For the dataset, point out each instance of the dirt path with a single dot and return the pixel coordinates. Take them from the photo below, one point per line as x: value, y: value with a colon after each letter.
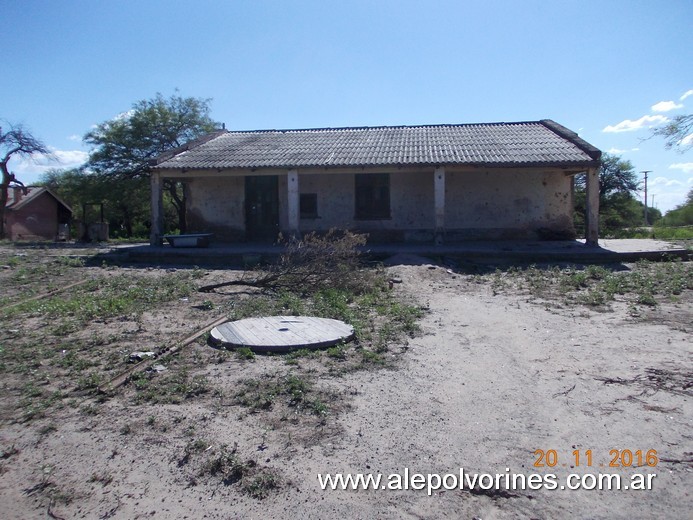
x: 495, y: 378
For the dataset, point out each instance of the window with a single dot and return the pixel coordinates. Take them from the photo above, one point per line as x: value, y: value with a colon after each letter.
x: 372, y: 192
x: 308, y: 205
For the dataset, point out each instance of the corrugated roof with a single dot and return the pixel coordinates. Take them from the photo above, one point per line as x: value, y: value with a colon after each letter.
x: 495, y: 144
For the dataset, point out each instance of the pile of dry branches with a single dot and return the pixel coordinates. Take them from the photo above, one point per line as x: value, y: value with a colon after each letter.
x: 316, y: 261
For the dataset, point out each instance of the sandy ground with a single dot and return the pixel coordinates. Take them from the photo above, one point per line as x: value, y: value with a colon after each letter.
x: 491, y: 379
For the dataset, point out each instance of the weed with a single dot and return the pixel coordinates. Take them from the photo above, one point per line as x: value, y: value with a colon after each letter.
x: 245, y: 353
x: 90, y: 409
x: 171, y: 389
x: 598, y: 285
x: 260, y: 485
x: 193, y: 447
x: 227, y: 465
x: 106, y: 297
x: 104, y: 478
x: 646, y: 298
x: 291, y: 303
x: 6, y: 453
x: 89, y: 381
x: 370, y: 357
x: 337, y: 352
x: 253, y: 480
x: 318, y: 407
x: 290, y: 390
x: 47, y: 428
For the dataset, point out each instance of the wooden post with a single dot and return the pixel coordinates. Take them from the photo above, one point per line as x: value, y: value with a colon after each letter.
x: 157, y: 210
x: 439, y: 202
x: 293, y: 201
x: 592, y: 208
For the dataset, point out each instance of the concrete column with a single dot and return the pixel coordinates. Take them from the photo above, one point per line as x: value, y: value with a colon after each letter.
x: 439, y: 203
x: 293, y: 201
x: 157, y: 210
x: 592, y: 208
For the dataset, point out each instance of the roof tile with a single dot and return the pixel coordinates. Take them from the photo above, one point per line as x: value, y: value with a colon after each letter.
x: 516, y: 144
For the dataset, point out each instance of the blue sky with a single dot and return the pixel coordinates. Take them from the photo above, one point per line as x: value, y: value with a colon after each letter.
x: 589, y: 65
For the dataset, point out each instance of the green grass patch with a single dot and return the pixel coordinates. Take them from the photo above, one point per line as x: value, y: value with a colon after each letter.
x: 291, y: 390
x: 646, y: 283
x: 168, y: 389
x: 106, y: 298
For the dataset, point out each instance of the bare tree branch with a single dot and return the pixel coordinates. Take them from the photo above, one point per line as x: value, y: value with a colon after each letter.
x: 677, y: 133
x: 15, y: 141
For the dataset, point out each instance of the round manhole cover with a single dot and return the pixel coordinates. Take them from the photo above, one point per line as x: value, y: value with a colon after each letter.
x: 281, y: 333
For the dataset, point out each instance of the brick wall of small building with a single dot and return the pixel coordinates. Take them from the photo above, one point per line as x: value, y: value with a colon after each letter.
x: 37, y: 220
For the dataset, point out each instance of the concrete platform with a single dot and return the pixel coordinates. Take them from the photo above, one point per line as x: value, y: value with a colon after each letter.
x: 503, y: 252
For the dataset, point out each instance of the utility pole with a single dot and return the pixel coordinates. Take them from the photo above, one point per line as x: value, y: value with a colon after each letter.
x: 645, y: 172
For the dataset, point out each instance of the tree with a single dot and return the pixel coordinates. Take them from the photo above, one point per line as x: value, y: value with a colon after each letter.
x: 618, y: 183
x: 126, y: 204
x: 677, y: 133
x: 124, y: 146
x: 17, y: 141
x: 615, y: 176
x: 681, y: 215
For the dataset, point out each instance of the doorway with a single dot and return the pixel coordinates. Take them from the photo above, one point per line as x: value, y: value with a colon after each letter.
x: 262, y: 207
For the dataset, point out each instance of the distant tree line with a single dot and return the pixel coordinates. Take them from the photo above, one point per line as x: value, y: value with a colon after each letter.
x: 682, y: 215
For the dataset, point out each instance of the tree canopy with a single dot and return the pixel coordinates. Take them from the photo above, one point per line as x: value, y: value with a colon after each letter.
x: 123, y: 146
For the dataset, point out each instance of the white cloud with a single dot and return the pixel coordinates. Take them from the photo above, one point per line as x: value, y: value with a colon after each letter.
x: 618, y: 151
x: 687, y: 94
x: 665, y: 106
x: 75, y: 137
x: 29, y: 169
x: 124, y: 115
x: 687, y: 141
x: 629, y: 126
x: 663, y: 181
x: 71, y: 158
x: 668, y: 191
x: 685, y: 167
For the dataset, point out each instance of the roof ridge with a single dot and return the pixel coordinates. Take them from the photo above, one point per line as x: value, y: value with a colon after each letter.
x: 378, y: 127
x: 32, y: 193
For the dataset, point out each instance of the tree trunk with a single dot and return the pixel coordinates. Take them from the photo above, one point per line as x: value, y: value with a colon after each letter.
x: 3, y: 203
x: 4, y: 187
x: 179, y: 202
